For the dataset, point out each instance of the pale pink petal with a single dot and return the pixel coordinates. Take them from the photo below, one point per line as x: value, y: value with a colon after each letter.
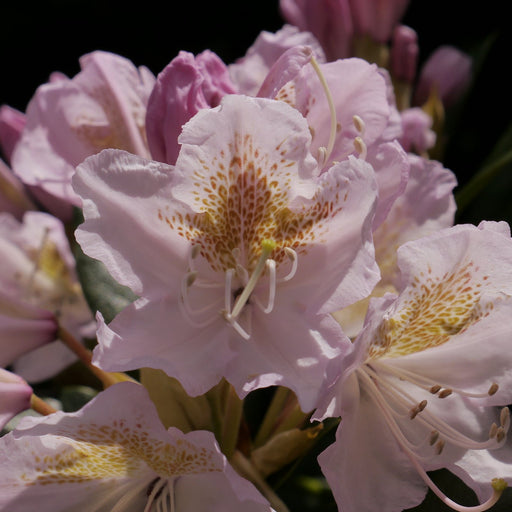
x: 15, y: 396
x: 130, y: 192
x: 185, y: 86
x: 13, y: 196
x: 417, y: 133
x: 249, y: 72
x: 364, y: 467
x: 114, y: 454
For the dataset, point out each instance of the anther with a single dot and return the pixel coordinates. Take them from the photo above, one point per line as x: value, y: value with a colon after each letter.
x: 435, y: 389
x: 492, y: 390
x: 500, y: 434
x: 417, y: 409
x: 434, y: 436
x: 190, y: 278
x: 359, y: 124
x: 360, y: 147
x: 439, y: 447
x: 445, y: 392
x: 505, y: 418
x: 493, y: 430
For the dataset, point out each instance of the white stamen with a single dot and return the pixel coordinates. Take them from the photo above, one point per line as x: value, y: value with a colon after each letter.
x: 325, y: 153
x: 267, y: 247
x: 292, y: 256
x: 228, y: 278
x: 271, y: 267
x: 128, y: 497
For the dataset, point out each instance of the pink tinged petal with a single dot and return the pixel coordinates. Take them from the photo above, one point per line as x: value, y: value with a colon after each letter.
x: 67, y: 120
x: 15, y: 396
x: 12, y: 123
x: 13, y: 197
x: 391, y: 167
x: 329, y: 21
x: 285, y: 69
x: 114, y: 454
x: 122, y: 196
x: 365, y: 468
x: 448, y: 72
x: 249, y: 72
x: 185, y: 86
x: 418, y: 135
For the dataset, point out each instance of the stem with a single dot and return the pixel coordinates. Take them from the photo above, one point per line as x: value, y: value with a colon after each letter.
x: 231, y: 424
x: 85, y: 355
x: 40, y: 406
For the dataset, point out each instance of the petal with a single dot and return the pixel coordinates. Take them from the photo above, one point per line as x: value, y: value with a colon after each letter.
x: 137, y: 248
x: 365, y: 467
x: 15, y: 396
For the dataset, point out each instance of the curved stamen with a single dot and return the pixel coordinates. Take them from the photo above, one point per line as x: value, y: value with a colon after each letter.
x: 188, y: 312
x: 498, y: 486
x: 325, y: 153
x: 292, y: 256
x: 271, y: 267
x: 128, y: 497
x: 360, y: 147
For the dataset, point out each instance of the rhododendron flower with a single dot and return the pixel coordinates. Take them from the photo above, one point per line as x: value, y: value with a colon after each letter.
x: 39, y: 285
x: 115, y: 455
x: 103, y: 106
x: 15, y: 396
x: 418, y: 390
x: 426, y: 206
x: 237, y: 253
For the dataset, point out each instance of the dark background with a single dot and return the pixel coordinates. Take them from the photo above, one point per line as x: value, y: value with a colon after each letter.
x: 38, y: 37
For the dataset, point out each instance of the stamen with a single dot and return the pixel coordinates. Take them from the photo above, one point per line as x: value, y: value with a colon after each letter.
x: 417, y: 409
x: 440, y: 446
x: 493, y: 431
x: 493, y: 389
x: 325, y: 153
x: 271, y: 266
x: 445, y: 393
x: 227, y: 289
x: 192, y: 255
x: 505, y: 418
x: 267, y: 247
x: 435, y: 389
x: 360, y: 147
x: 128, y: 497
x: 188, y: 280
x: 498, y: 486
x: 292, y: 256
x: 434, y: 436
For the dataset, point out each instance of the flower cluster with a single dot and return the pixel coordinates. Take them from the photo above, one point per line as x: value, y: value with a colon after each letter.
x: 249, y: 257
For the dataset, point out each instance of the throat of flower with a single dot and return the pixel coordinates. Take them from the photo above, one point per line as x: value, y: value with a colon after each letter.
x: 381, y: 381
x: 264, y: 262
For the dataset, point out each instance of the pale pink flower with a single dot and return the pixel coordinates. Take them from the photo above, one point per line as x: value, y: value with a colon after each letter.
x: 185, y: 86
x: 249, y: 72
x: 236, y: 253
x: 418, y: 390
x: 103, y: 106
x: 448, y: 72
x: 15, y: 396
x: 38, y: 283
x: 114, y: 455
